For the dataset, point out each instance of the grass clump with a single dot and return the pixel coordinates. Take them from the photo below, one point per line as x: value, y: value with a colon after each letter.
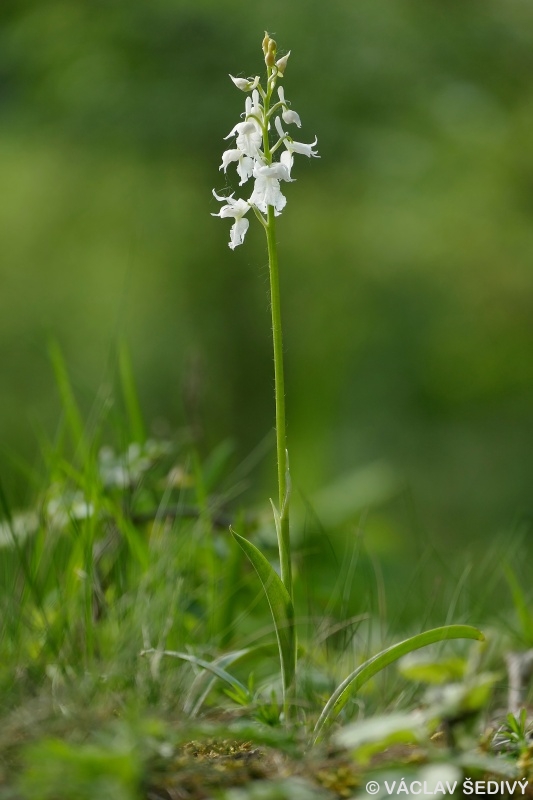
x: 140, y: 657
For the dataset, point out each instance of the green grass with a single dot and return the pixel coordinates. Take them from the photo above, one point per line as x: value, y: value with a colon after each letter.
x: 139, y: 653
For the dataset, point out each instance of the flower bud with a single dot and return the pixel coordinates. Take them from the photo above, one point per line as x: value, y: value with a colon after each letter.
x: 281, y: 63
x: 264, y: 43
x: 270, y: 56
x: 245, y: 84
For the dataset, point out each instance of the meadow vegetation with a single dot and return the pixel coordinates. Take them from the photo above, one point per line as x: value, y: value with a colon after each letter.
x: 141, y: 656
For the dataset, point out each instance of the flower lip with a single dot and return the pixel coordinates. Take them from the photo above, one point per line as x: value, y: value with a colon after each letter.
x: 238, y: 232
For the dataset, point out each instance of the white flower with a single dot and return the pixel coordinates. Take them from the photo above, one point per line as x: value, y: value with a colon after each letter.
x: 235, y: 209
x: 228, y: 156
x: 245, y: 165
x: 248, y: 138
x: 295, y: 147
x: 245, y: 84
x: 266, y: 188
x: 288, y: 115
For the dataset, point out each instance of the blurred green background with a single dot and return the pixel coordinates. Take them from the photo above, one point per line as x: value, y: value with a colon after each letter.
x: 406, y: 250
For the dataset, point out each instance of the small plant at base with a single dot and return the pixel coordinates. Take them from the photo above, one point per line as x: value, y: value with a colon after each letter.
x: 515, y: 735
x: 254, y: 158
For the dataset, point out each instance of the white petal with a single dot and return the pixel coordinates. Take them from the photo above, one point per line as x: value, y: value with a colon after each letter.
x: 248, y: 137
x: 255, y: 99
x: 267, y: 193
x: 290, y: 117
x: 238, y: 232
x: 287, y: 159
x: 277, y: 171
x: 232, y: 132
x: 240, y: 83
x: 281, y: 94
x: 304, y: 149
x: 245, y: 168
x: 228, y: 156
x: 225, y: 211
x: 245, y: 84
x: 234, y: 208
x: 281, y: 63
x: 222, y: 199
x: 246, y: 128
x: 281, y: 132
x: 239, y: 208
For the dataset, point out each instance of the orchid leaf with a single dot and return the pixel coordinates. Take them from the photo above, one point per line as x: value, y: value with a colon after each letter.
x: 281, y: 608
x: 363, y: 673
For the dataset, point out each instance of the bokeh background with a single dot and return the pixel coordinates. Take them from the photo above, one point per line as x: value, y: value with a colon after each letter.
x: 406, y: 250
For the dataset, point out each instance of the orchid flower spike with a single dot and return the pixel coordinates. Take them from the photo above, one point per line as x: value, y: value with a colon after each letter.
x: 253, y: 153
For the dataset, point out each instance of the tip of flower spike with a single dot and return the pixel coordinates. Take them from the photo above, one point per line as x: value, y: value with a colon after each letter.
x: 270, y: 55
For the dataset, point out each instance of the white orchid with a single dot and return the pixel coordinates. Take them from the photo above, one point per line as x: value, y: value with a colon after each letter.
x: 288, y: 115
x: 294, y: 147
x: 245, y: 164
x: 235, y: 209
x: 245, y: 84
x: 248, y: 139
x: 253, y: 153
x: 267, y: 190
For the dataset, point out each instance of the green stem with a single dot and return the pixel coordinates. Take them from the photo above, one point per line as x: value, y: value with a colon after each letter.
x: 279, y: 384
x: 284, y: 544
x: 288, y: 650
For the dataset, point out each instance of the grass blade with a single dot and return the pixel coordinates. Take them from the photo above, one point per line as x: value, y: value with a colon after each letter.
x: 203, y: 683
x: 210, y: 666
x: 130, y: 396
x: 363, y: 673
x: 281, y: 608
x: 521, y: 605
x: 72, y: 413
